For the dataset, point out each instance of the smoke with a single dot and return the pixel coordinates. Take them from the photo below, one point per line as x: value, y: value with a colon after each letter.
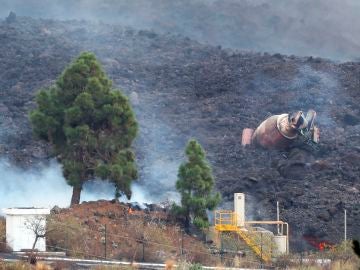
x: 325, y: 28
x: 40, y: 187
x: 318, y: 90
x: 45, y: 186
x: 162, y: 154
x: 96, y: 189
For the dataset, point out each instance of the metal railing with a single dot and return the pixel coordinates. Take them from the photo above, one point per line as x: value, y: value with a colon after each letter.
x: 261, y: 244
x: 225, y: 220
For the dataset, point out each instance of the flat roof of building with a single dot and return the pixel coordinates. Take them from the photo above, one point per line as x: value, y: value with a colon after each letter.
x: 26, y: 211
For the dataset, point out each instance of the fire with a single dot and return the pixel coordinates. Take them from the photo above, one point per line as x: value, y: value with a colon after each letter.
x: 318, y: 244
x: 321, y: 246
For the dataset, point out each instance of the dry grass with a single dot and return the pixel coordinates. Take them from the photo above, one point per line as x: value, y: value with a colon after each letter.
x: 152, y: 236
x: 68, y: 235
x: 42, y: 266
x: 183, y: 265
x: 344, y: 265
x: 341, y: 258
x: 23, y: 266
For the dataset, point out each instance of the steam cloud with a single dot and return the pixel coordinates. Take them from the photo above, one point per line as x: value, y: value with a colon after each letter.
x: 325, y: 28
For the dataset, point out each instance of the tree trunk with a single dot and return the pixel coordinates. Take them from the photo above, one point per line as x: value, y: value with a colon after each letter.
x: 75, y: 199
x: 187, y: 223
x: 32, y: 257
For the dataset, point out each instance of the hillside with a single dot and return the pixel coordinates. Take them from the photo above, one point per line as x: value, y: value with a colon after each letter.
x: 107, y: 229
x: 182, y: 89
x: 113, y: 231
x: 327, y: 28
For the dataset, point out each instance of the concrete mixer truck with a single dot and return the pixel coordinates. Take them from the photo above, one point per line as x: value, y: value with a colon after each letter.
x: 280, y: 131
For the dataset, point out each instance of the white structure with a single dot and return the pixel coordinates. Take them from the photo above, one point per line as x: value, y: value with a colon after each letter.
x: 19, y: 234
x: 281, y: 244
x: 239, y: 208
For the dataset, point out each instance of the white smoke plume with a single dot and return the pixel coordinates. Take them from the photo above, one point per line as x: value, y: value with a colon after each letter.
x: 45, y: 186
x: 40, y: 187
x: 163, y: 154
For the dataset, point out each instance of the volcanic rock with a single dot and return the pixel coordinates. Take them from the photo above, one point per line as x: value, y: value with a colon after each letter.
x: 185, y: 90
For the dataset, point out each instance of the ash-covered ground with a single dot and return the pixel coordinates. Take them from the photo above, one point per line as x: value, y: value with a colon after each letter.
x: 181, y: 89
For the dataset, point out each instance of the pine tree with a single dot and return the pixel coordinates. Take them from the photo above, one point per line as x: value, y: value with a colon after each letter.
x: 90, y: 125
x: 195, y: 185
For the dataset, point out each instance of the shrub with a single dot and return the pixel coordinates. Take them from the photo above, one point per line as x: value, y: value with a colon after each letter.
x: 196, y: 266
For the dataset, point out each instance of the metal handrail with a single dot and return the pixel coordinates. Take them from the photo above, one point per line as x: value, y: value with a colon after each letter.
x: 226, y: 220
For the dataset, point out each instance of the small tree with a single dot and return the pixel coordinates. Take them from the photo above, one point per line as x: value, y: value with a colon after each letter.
x: 38, y: 226
x: 195, y: 184
x: 90, y: 125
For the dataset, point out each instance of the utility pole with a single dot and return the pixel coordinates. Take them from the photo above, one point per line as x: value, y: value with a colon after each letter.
x: 182, y: 242
x: 345, y: 226
x: 143, y: 248
x: 278, y: 217
x: 143, y: 240
x: 105, y: 241
x: 66, y: 242
x: 261, y: 250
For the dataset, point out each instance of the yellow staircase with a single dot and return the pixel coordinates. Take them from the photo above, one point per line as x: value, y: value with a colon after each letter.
x: 226, y: 221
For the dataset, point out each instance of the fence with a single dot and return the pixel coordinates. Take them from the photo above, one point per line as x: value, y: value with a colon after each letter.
x: 150, y: 241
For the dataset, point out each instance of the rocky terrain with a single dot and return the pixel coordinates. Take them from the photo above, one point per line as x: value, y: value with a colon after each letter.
x: 180, y: 89
x: 107, y: 229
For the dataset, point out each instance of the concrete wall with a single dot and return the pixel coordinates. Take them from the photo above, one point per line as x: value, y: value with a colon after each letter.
x: 18, y: 235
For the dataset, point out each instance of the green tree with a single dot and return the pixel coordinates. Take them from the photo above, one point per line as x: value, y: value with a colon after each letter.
x: 90, y: 125
x: 195, y: 185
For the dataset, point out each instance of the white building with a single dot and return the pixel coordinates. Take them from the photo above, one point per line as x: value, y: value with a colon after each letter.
x: 19, y: 232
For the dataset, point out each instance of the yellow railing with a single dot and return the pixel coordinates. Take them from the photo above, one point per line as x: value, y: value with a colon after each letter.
x: 251, y: 238
x: 227, y: 221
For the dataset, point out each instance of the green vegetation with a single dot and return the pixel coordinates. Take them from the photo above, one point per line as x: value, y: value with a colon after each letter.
x: 196, y: 266
x: 90, y: 125
x: 195, y: 184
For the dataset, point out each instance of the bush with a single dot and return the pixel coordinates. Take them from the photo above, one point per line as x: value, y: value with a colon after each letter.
x: 196, y: 266
x: 67, y: 235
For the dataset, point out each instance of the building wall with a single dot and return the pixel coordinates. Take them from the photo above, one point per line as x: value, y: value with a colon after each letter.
x: 18, y: 235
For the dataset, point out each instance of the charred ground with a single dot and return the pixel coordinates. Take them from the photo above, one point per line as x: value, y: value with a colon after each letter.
x: 182, y: 89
